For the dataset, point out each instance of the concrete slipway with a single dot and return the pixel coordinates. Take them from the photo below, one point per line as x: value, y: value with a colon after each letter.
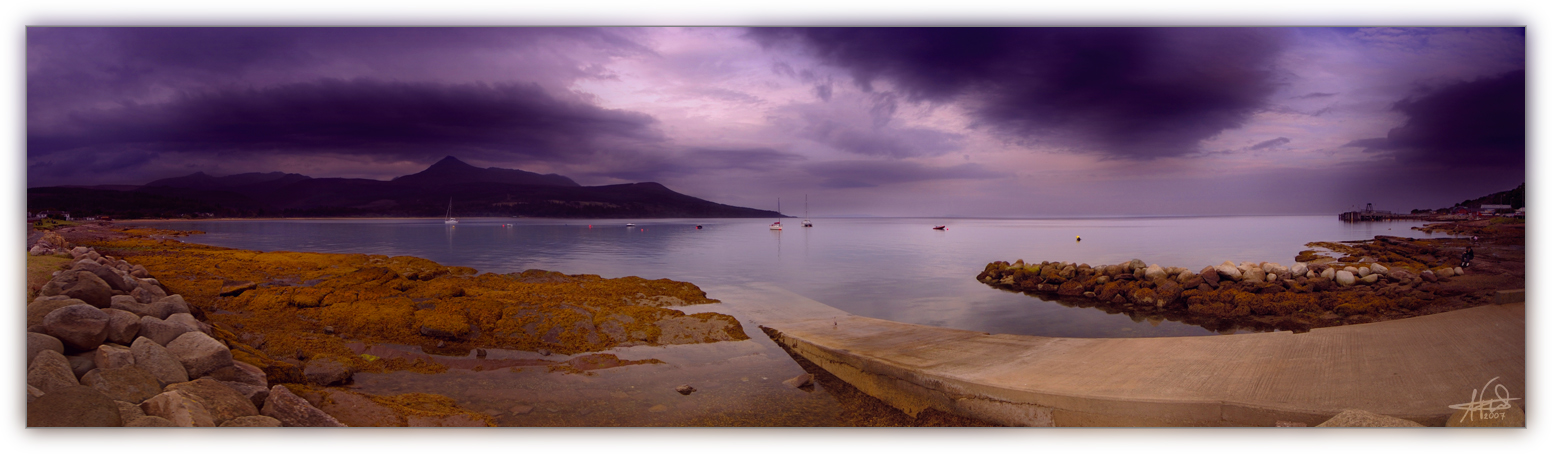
x: 1413, y: 368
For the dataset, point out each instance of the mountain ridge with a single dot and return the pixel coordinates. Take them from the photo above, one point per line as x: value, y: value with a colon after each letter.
x: 475, y: 191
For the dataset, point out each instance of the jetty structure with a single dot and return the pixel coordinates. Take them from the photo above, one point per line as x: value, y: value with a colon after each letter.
x: 1414, y: 369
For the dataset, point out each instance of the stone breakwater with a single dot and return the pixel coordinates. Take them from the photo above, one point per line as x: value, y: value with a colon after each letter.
x: 110, y: 346
x: 1388, y: 277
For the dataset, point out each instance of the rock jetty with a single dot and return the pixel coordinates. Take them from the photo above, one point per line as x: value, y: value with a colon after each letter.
x: 108, y: 346
x: 1384, y: 278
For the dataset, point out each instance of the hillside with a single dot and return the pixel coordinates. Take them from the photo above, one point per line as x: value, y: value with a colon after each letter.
x: 473, y: 192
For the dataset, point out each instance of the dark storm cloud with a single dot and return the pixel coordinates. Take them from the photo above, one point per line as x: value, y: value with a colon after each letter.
x: 1120, y: 92
x: 1479, y: 123
x: 881, y: 141
x: 655, y: 166
x: 863, y: 174
x: 1314, y: 95
x: 1270, y: 143
x: 420, y: 121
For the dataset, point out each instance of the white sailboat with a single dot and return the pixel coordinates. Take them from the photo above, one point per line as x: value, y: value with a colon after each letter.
x: 777, y: 225
x: 450, y: 219
x: 806, y: 222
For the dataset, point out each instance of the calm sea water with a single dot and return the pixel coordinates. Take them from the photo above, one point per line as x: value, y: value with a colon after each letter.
x: 891, y: 268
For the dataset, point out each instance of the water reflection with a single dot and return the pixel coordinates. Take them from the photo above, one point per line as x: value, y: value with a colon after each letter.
x: 895, y: 269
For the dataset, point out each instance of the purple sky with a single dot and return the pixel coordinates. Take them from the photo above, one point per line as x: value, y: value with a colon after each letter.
x: 876, y: 121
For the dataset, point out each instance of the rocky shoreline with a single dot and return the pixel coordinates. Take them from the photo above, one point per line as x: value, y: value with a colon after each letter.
x: 227, y: 337
x: 1336, y: 284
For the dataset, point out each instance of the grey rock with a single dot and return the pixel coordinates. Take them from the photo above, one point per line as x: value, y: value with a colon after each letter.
x: 155, y: 358
x: 123, y: 326
x: 107, y: 274
x: 129, y: 304
x: 80, y: 327
x: 800, y: 381
x: 293, y: 411
x: 81, y: 363
x: 221, y: 401
x: 241, y: 372
x: 161, y: 331
x: 129, y: 411
x: 199, y: 353
x: 1360, y: 418
x: 1345, y: 278
x: 1370, y: 279
x: 188, y: 321
x: 1153, y: 272
x: 38, y: 342
x: 109, y: 356
x: 1228, y: 271
x: 252, y: 421
x: 326, y: 371
x: 50, y: 371
x: 78, y: 251
x: 139, y: 271
x: 43, y: 305
x: 128, y: 383
x: 685, y: 389
x: 171, y: 304
x: 179, y: 408
x: 81, y: 285
x: 147, y: 293
x: 74, y: 406
x: 255, y: 394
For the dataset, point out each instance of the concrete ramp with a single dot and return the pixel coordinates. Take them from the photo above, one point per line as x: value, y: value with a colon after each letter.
x: 1412, y: 369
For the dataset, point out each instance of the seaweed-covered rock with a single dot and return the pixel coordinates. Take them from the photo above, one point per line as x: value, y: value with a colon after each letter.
x: 326, y: 371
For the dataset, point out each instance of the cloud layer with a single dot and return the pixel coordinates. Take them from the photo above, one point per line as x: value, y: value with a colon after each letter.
x: 1119, y: 92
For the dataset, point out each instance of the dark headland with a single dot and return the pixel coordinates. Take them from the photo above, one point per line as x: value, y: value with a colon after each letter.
x: 473, y: 191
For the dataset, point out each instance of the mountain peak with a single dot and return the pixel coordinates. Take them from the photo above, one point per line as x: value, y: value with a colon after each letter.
x: 451, y: 170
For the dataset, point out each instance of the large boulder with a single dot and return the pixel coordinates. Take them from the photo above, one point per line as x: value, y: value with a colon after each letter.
x: 130, y: 304
x: 43, y: 305
x: 199, y: 353
x: 154, y: 358
x: 171, y: 304
x: 80, y: 327
x: 1345, y: 278
x: 254, y: 393
x: 1298, y: 269
x: 38, y: 342
x: 1209, y: 275
x: 161, y: 331
x: 74, y: 406
x: 123, y: 326
x: 1153, y: 272
x: 129, y: 383
x: 50, y: 371
x: 107, y: 274
x: 81, y: 285
x: 109, y: 356
x: 182, y: 409
x: 325, y: 371
x: 241, y: 372
x: 1328, y: 273
x: 147, y: 292
x: 293, y: 411
x: 1227, y: 270
x: 221, y: 401
x: 188, y: 320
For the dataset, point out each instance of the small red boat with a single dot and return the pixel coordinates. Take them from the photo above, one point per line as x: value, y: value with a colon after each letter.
x: 941, y: 227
